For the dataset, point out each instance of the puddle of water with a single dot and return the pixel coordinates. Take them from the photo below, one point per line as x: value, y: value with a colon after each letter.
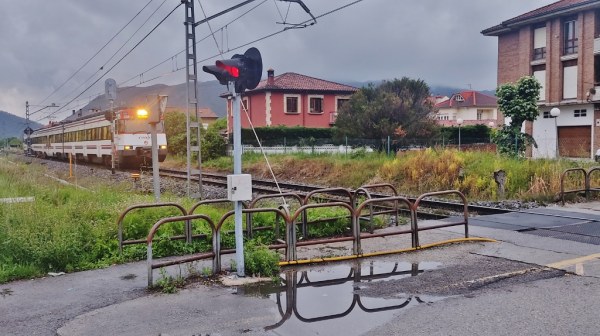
x: 319, y: 301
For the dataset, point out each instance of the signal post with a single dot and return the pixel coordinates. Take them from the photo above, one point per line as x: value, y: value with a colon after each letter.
x: 243, y: 72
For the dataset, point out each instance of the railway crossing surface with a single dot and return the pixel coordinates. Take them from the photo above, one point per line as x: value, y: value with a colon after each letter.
x: 541, y: 277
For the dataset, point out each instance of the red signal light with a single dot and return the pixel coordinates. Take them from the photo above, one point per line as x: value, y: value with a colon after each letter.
x: 233, y: 71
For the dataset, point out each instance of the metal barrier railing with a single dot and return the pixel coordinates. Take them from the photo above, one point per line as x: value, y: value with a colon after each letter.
x: 567, y: 172
x: 282, y: 214
x: 365, y: 190
x: 188, y: 218
x: 370, y: 202
x: 283, y: 196
x: 187, y: 235
x: 414, y: 221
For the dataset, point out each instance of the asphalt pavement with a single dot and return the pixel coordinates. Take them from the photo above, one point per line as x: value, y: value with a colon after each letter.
x: 525, y: 284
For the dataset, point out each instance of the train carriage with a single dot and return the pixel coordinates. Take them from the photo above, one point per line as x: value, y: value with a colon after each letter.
x: 88, y: 138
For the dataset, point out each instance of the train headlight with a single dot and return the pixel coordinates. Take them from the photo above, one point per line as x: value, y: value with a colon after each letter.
x: 142, y: 114
x: 163, y: 147
x: 128, y: 147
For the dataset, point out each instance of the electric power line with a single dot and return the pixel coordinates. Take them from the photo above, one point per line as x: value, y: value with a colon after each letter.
x: 96, y: 54
x: 119, y: 61
x: 301, y: 24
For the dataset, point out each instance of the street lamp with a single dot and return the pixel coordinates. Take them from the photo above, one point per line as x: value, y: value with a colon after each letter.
x: 555, y: 112
x: 459, y: 122
x: 491, y: 125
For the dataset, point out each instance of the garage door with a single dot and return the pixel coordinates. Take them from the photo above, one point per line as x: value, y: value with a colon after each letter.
x: 575, y: 141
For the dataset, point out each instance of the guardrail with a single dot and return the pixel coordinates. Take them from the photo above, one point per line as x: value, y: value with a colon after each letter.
x: 587, y: 181
x: 290, y: 243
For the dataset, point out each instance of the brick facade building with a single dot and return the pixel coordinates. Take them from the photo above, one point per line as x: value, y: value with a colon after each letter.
x: 559, y: 45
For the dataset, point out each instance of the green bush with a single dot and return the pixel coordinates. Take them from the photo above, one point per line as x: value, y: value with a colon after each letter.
x: 259, y: 260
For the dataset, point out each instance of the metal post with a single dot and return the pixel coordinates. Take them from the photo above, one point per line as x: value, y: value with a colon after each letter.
x: 388, y: 145
x: 155, y: 176
x: 27, y: 129
x: 237, y: 169
x: 112, y: 137
x: 459, y: 137
x: 192, y: 99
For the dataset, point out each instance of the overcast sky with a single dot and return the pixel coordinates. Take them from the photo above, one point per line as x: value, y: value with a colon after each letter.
x: 43, y: 43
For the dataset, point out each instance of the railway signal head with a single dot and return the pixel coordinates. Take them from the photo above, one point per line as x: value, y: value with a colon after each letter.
x: 244, y: 70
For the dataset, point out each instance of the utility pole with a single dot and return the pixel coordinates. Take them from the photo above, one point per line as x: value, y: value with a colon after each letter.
x: 110, y: 86
x: 192, y: 97
x: 27, y: 130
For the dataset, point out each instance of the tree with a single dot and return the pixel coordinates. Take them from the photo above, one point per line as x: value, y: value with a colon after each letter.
x: 213, y: 144
x: 519, y: 103
x: 176, y: 133
x: 399, y: 109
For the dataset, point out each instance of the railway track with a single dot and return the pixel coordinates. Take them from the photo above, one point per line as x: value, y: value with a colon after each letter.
x: 262, y: 186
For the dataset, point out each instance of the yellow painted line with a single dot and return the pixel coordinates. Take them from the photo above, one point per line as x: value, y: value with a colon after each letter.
x: 374, y: 254
x: 571, y: 262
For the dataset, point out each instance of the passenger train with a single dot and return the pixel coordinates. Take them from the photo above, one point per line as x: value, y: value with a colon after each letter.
x: 88, y: 138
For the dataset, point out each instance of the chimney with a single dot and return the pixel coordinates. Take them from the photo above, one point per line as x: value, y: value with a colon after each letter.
x: 73, y: 112
x: 270, y: 77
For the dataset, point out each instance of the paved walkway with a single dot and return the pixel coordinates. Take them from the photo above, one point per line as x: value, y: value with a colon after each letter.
x: 114, y: 301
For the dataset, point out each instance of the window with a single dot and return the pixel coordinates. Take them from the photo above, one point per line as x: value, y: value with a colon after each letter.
x: 316, y: 104
x: 539, y: 42
x: 570, y: 42
x: 479, y: 114
x: 341, y: 102
x: 291, y: 104
x: 245, y: 105
x: 570, y: 79
x: 459, y: 98
x: 547, y: 115
x: 539, y: 72
x: 580, y: 113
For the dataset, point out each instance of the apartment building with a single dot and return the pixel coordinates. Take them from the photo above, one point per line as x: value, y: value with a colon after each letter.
x: 558, y: 44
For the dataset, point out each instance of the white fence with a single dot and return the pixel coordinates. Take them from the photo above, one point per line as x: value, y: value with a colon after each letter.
x: 341, y: 149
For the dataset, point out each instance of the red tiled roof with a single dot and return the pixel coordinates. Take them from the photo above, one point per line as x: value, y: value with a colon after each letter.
x: 290, y: 81
x: 471, y: 99
x: 555, y: 7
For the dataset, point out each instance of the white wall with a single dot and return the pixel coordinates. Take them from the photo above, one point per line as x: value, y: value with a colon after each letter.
x: 545, y: 130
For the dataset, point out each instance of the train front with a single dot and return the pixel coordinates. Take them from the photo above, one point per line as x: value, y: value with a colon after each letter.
x: 133, y: 141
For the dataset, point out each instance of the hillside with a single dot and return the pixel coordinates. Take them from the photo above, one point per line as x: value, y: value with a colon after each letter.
x: 208, y: 96
x: 13, y: 126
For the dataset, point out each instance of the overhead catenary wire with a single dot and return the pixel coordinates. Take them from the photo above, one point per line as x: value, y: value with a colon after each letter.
x: 212, y: 33
x: 121, y: 59
x: 212, y: 56
x: 96, y: 54
x: 116, y: 52
x: 247, y: 43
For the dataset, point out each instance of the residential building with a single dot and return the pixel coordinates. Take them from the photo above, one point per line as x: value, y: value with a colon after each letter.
x: 291, y: 99
x: 559, y: 45
x: 472, y: 107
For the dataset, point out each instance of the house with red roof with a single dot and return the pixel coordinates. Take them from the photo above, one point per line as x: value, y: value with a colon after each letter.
x: 471, y: 107
x: 292, y: 99
x: 558, y: 44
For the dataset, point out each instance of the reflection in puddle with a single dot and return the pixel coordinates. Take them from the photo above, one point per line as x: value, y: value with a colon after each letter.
x: 328, y: 300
